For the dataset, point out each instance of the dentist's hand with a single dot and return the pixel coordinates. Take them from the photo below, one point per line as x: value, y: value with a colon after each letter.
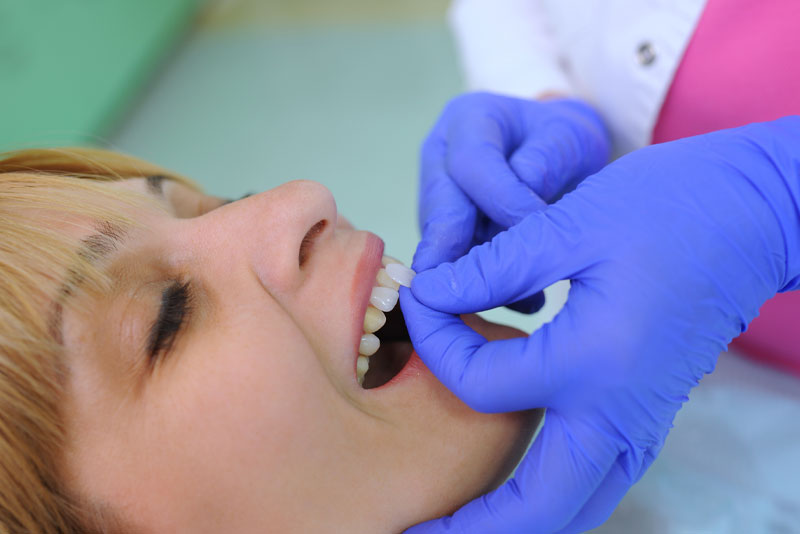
x: 671, y: 251
x: 490, y: 160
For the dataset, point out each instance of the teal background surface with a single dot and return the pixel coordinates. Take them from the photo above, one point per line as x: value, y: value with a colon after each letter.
x: 69, y: 68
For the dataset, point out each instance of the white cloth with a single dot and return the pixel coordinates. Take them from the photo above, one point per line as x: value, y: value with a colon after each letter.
x: 620, y: 55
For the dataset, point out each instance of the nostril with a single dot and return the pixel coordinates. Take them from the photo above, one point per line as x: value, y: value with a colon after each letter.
x: 308, y: 240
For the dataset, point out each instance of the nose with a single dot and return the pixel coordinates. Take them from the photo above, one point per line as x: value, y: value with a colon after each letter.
x: 265, y: 232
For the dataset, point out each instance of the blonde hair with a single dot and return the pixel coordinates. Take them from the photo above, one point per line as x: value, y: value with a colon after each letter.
x: 39, y: 188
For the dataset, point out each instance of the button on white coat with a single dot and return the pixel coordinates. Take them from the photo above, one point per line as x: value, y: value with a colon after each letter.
x: 646, y: 53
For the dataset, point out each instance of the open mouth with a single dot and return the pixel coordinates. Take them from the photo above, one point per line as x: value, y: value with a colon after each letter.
x: 392, y: 355
x: 385, y: 347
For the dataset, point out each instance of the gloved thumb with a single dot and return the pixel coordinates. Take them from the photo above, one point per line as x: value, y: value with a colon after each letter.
x: 514, y: 265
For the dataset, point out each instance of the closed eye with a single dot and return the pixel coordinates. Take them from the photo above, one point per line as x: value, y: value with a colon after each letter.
x: 175, y: 307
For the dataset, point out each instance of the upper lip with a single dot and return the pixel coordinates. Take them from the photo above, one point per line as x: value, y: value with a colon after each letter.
x: 363, y: 281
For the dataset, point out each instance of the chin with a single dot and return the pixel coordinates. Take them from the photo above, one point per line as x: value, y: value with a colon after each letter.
x: 454, y: 454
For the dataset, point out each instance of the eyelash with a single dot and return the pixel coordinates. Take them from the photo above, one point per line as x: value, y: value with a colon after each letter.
x: 176, y: 304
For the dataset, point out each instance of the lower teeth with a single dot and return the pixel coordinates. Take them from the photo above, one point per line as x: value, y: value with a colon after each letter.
x: 362, y: 365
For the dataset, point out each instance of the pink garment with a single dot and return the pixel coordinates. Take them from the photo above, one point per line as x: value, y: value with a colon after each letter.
x: 741, y: 66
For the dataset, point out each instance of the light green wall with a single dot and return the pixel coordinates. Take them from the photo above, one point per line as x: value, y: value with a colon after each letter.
x: 68, y: 68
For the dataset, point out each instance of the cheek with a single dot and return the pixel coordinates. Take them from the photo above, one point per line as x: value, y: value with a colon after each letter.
x: 241, y: 425
x: 247, y: 395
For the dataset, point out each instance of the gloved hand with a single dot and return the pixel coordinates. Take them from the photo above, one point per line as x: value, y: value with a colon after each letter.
x: 491, y: 160
x: 671, y: 251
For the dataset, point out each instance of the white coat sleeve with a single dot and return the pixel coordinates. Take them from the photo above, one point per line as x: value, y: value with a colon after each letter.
x: 505, y: 47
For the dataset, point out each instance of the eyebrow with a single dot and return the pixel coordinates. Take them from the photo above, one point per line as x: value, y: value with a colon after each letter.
x: 155, y: 184
x: 98, y: 247
x: 94, y: 249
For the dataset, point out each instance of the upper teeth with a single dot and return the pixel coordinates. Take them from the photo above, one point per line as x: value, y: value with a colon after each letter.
x: 384, y: 280
x: 383, y: 299
x: 374, y: 319
x: 400, y: 274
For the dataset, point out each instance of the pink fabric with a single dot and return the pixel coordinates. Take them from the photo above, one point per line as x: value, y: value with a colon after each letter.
x: 741, y: 66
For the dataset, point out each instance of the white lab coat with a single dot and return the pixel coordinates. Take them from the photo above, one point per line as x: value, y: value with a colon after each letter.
x: 620, y: 55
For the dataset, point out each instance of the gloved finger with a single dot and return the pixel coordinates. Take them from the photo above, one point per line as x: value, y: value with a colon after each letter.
x: 515, y: 265
x: 557, y: 476
x: 477, y: 161
x: 495, y: 376
x: 602, y: 503
x: 485, y: 230
x: 571, y: 145
x: 446, y: 215
x: 553, y: 164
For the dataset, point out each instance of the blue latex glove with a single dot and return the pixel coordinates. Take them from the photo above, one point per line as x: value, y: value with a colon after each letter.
x: 491, y: 160
x: 671, y: 251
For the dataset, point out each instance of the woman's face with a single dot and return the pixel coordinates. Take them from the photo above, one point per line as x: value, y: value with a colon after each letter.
x: 214, y: 388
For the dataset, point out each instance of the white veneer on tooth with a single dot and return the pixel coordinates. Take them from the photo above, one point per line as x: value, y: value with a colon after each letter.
x: 386, y: 260
x: 384, y: 280
x: 400, y: 274
x: 383, y: 298
x: 369, y: 345
x: 374, y: 319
